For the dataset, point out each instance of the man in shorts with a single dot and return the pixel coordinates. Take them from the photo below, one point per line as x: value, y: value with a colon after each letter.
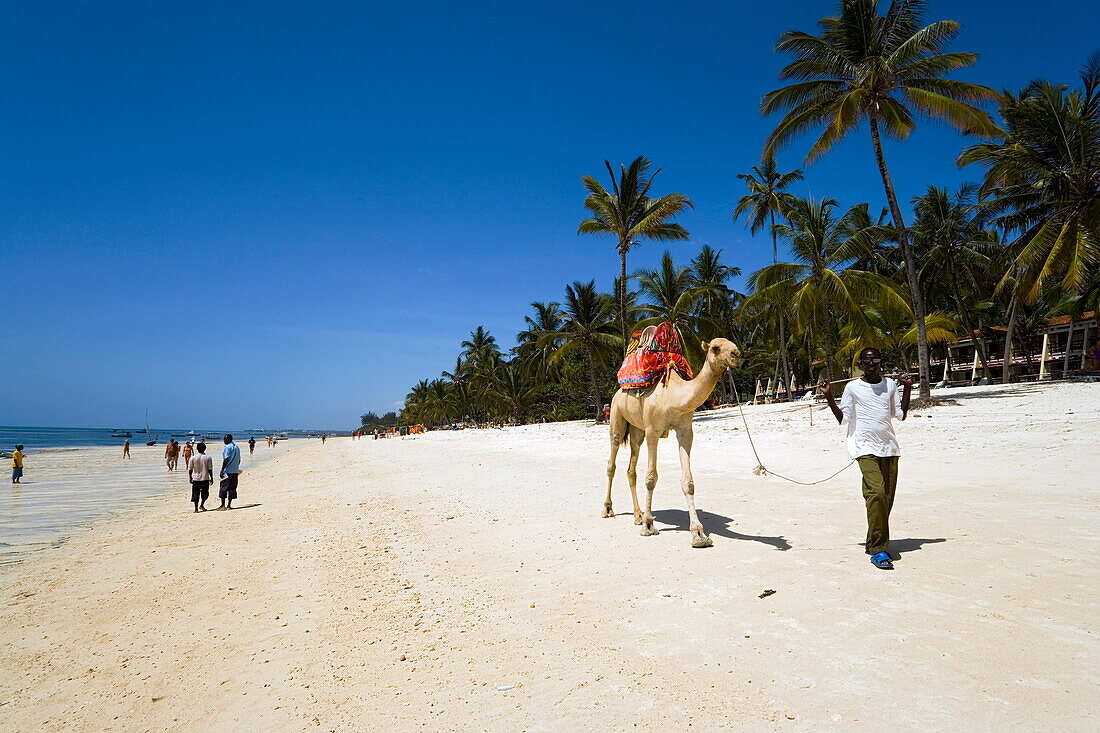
x: 172, y: 454
x: 869, y: 405
x: 200, y: 472
x: 251, y: 445
x: 231, y: 466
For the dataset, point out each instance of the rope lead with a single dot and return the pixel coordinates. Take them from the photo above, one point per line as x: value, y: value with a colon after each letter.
x: 760, y: 470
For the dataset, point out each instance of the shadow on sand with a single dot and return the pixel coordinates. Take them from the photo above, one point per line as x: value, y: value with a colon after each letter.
x: 910, y: 544
x: 714, y: 524
x: 913, y: 544
x: 1014, y: 390
x: 239, y: 506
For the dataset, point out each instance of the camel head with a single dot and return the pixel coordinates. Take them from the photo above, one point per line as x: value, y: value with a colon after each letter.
x: 722, y: 353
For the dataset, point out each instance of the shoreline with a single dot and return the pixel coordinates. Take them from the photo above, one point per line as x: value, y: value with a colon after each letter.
x: 464, y: 580
x: 66, y: 489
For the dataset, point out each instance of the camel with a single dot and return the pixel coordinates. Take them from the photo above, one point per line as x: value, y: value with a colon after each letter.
x: 649, y: 414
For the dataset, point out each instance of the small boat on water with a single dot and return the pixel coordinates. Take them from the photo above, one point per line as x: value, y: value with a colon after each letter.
x: 150, y: 438
x: 120, y: 433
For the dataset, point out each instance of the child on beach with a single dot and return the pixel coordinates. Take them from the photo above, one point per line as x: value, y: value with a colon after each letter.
x: 17, y: 464
x: 868, y: 405
x: 200, y: 472
x: 126, y: 448
x: 251, y: 445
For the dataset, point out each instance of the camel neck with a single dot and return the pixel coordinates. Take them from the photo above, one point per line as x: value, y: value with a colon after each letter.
x: 703, y: 384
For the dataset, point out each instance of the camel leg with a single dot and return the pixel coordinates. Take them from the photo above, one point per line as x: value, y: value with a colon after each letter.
x: 637, y: 435
x: 651, y: 438
x: 684, y: 437
x: 619, y: 429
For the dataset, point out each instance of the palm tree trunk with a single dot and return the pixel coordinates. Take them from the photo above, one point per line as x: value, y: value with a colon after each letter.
x: 783, y: 356
x: 979, y: 345
x: 782, y: 325
x: 1006, y: 368
x: 910, y: 265
x: 622, y: 297
x: 1069, y: 342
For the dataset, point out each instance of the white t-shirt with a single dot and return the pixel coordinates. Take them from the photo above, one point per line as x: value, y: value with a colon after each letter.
x: 201, y: 467
x: 868, y: 410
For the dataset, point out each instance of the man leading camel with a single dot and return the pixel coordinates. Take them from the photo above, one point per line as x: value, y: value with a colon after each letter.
x: 868, y: 405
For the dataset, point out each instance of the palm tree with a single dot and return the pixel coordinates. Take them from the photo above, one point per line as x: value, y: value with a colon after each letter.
x: 709, y: 275
x: 481, y: 348
x: 515, y: 390
x: 673, y: 297
x: 628, y: 213
x: 460, y: 373
x: 894, y: 330
x: 718, y: 302
x: 416, y: 402
x: 881, y: 68
x: 1043, y: 181
x: 536, y: 358
x: 588, y: 328
x: 818, y: 289
x: 953, y: 243
x: 765, y: 199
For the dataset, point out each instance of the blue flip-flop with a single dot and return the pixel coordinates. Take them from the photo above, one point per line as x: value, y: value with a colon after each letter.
x: 881, y: 560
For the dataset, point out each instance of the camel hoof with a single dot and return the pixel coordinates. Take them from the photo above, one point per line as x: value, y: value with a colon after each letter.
x: 702, y: 541
x: 608, y: 513
x: 650, y: 531
x: 638, y: 519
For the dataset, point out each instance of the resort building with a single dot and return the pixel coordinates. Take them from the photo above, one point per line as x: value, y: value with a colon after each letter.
x: 1058, y: 349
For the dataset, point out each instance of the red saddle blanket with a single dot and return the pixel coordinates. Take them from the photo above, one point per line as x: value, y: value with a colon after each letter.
x: 652, y: 355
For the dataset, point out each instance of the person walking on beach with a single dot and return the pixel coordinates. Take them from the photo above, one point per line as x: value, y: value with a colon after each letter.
x: 172, y: 454
x: 200, y: 472
x: 188, y: 451
x: 17, y: 464
x: 231, y: 466
x: 126, y: 448
x: 868, y: 405
x: 324, y: 436
x: 251, y: 445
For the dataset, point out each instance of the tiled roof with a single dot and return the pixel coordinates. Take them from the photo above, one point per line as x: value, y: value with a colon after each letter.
x: 1063, y: 320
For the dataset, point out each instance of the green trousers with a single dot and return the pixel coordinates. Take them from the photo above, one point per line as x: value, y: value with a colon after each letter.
x: 880, y: 479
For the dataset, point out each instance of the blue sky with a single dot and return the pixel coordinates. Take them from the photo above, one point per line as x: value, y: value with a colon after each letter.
x: 286, y: 214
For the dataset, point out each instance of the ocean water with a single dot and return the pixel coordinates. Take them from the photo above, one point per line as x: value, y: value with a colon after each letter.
x: 36, y: 438
x: 77, y: 476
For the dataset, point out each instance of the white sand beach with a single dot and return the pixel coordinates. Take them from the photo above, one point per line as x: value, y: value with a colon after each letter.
x: 465, y: 581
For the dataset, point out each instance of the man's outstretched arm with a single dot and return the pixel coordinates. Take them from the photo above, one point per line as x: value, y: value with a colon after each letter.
x: 827, y: 389
x: 907, y: 384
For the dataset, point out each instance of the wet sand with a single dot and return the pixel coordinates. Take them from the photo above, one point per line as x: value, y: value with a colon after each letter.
x: 465, y: 581
x: 65, y: 489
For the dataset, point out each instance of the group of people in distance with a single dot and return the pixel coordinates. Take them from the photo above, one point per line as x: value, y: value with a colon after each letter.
x: 173, y: 449
x: 200, y: 468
